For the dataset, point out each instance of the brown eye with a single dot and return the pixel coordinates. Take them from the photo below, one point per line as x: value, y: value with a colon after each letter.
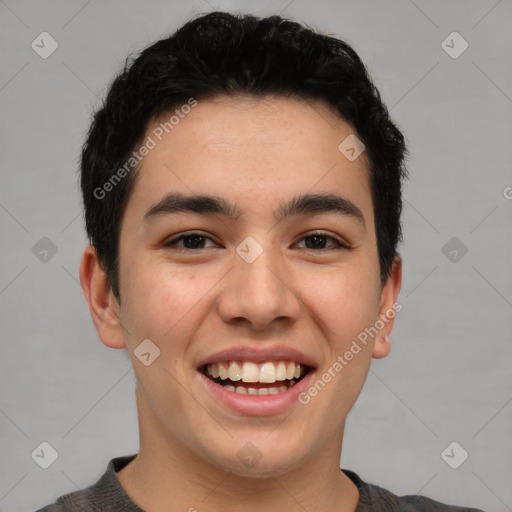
x: 317, y: 241
x: 189, y: 241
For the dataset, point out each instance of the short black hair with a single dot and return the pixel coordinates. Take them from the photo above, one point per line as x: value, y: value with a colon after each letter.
x: 219, y: 54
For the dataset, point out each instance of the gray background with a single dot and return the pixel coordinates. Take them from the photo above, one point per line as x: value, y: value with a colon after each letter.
x: 448, y: 375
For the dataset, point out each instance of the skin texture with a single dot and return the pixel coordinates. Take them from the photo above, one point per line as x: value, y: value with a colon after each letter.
x: 255, y: 153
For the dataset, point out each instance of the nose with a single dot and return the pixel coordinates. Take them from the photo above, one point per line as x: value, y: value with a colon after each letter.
x: 259, y: 294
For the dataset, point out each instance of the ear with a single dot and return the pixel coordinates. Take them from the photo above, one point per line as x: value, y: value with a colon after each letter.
x: 388, y: 308
x: 104, y: 308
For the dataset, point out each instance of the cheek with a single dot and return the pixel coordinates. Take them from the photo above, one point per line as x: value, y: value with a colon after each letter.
x: 345, y: 302
x: 163, y: 303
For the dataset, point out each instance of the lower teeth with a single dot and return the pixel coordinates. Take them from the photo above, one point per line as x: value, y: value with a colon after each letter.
x: 259, y: 391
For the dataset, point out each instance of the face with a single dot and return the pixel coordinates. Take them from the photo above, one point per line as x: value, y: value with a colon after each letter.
x: 259, y: 273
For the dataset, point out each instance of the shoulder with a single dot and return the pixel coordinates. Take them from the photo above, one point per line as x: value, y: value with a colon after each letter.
x: 86, y: 499
x: 105, y: 495
x: 373, y: 498
x: 424, y: 504
x: 67, y: 503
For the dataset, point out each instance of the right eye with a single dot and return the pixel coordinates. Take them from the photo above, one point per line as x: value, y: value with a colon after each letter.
x: 190, y: 241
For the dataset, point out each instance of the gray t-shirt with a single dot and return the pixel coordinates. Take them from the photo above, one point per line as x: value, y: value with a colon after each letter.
x: 108, y: 495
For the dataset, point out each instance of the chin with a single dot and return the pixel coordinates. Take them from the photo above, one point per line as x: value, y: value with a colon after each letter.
x: 250, y: 459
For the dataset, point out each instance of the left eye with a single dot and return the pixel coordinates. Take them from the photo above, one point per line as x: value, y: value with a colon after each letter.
x: 318, y: 240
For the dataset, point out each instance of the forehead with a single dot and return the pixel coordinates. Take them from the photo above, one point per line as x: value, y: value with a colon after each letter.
x: 256, y: 151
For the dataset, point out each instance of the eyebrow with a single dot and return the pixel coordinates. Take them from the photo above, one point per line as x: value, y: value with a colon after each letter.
x: 303, y: 204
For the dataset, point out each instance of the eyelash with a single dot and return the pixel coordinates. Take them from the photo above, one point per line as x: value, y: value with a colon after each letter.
x: 339, y: 245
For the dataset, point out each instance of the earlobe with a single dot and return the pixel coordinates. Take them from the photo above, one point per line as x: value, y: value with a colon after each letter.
x: 388, y: 309
x: 103, y: 306
x: 382, y: 347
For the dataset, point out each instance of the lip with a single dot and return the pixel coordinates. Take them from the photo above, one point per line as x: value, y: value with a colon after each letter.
x: 258, y: 356
x: 256, y: 405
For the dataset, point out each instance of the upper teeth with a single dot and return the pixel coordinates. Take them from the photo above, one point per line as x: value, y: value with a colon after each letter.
x: 251, y: 372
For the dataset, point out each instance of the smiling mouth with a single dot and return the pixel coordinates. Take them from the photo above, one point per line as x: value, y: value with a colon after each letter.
x: 248, y: 378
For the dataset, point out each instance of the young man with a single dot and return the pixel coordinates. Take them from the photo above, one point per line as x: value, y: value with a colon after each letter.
x: 242, y: 191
